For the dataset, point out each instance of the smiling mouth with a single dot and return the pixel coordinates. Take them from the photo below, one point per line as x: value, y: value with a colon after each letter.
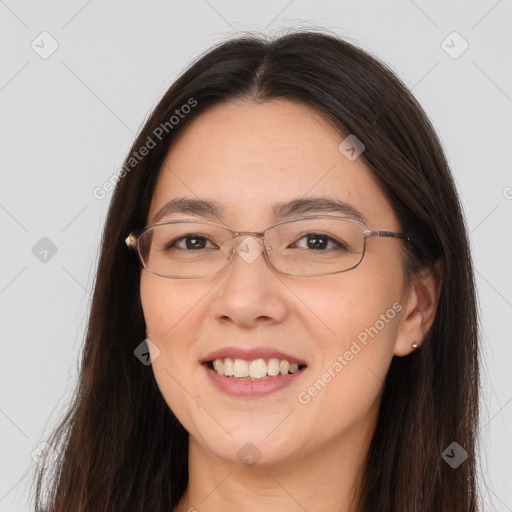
x: 257, y: 369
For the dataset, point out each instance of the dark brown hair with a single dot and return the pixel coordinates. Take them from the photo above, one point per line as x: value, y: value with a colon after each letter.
x: 120, y: 446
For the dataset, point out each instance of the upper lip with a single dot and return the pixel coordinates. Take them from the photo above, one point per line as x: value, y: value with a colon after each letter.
x: 250, y: 354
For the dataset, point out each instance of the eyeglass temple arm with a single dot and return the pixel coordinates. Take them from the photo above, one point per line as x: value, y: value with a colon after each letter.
x: 388, y: 234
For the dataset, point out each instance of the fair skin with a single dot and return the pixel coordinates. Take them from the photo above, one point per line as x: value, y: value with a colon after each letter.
x: 248, y: 156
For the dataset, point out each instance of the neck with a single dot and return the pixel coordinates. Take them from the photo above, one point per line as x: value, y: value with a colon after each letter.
x: 325, y: 480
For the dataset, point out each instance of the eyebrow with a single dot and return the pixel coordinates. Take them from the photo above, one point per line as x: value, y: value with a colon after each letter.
x: 211, y: 209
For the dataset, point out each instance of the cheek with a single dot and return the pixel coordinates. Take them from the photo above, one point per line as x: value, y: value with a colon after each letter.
x: 172, y: 318
x: 346, y: 305
x: 168, y: 306
x: 347, y: 379
x: 157, y: 305
x: 354, y: 329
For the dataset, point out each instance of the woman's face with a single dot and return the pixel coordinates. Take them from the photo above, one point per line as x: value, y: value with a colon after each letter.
x: 344, y: 327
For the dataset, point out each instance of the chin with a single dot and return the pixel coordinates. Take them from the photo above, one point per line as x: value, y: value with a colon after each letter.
x: 251, y: 453
x: 251, y: 446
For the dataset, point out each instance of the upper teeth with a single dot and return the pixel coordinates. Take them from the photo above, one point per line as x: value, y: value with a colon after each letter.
x: 255, y: 369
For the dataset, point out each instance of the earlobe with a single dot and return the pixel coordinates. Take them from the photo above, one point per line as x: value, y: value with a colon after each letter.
x: 419, y: 312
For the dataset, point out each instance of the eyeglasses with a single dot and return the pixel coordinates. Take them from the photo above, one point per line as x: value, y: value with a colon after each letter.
x: 305, y: 246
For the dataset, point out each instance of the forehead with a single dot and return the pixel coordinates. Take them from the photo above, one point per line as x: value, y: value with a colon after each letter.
x: 250, y: 156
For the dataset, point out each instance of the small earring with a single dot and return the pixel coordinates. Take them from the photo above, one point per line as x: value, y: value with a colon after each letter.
x: 414, y: 346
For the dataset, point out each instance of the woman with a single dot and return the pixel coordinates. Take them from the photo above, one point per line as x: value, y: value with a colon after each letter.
x: 284, y: 313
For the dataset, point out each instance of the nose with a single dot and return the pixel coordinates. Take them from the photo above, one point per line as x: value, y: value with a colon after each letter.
x: 250, y: 291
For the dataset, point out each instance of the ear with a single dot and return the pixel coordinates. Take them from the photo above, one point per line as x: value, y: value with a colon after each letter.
x: 420, y: 306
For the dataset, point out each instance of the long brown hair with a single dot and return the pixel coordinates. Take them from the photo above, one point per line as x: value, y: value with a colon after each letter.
x: 121, y: 448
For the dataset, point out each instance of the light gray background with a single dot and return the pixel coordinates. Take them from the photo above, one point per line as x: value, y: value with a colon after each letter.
x: 67, y: 122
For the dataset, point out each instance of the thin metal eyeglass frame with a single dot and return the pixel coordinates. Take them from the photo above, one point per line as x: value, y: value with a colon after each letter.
x: 132, y: 241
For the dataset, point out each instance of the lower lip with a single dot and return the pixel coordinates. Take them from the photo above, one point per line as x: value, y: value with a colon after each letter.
x: 251, y: 388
